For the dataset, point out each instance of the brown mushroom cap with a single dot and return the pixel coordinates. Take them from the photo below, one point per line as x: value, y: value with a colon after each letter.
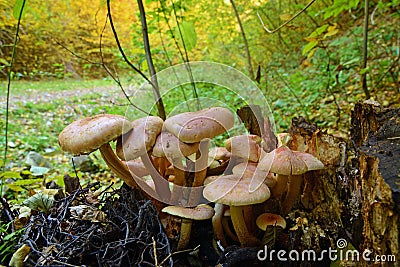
x: 245, y: 146
x: 249, y: 170
x: 245, y: 169
x: 137, y: 167
x: 234, y: 191
x: 140, y: 139
x: 287, y: 162
x: 267, y: 219
x: 191, y: 127
x: 169, y: 146
x: 88, y: 134
x: 219, y: 153
x: 201, y: 212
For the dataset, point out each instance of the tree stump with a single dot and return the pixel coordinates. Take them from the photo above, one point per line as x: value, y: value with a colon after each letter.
x: 356, y: 197
x: 376, y: 135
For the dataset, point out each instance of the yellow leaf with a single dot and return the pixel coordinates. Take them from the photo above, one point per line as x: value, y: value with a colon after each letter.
x: 311, y: 39
x: 18, y: 257
x: 331, y: 31
x: 285, y: 17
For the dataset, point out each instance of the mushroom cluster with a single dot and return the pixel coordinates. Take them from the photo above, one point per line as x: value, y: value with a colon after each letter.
x: 172, y: 163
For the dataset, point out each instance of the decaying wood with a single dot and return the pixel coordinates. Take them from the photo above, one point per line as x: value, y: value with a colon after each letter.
x: 357, y: 195
x: 376, y: 134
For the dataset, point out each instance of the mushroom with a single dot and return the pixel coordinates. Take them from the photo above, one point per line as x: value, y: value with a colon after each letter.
x: 199, y: 126
x: 192, y: 127
x: 266, y: 220
x: 137, y: 167
x: 270, y: 219
x: 249, y: 168
x: 169, y: 146
x: 138, y: 142
x: 219, y: 153
x: 217, y: 224
x: 201, y: 212
x: 289, y: 166
x: 245, y: 147
x: 89, y: 134
x: 233, y: 190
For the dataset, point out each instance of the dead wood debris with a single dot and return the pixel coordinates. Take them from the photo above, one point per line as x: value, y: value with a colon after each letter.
x: 127, y: 236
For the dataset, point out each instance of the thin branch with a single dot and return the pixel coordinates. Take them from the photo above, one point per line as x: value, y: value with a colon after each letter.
x: 286, y: 22
x: 365, y: 51
x: 178, y: 252
x: 8, y: 92
x: 166, y: 53
x: 75, y: 54
x: 186, y: 59
x: 246, y: 45
x: 123, y: 53
x: 115, y: 78
x: 149, y: 59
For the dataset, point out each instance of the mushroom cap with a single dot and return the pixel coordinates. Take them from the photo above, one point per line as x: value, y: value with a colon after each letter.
x: 234, y: 191
x: 245, y: 146
x: 219, y: 153
x: 191, y: 127
x: 88, y: 134
x: 211, y: 179
x: 245, y: 169
x: 249, y: 170
x: 140, y: 139
x: 311, y: 162
x: 169, y: 146
x: 201, y: 212
x: 266, y: 219
x: 287, y: 162
x: 137, y: 167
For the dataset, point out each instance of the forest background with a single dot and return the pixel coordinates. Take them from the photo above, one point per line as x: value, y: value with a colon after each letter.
x: 313, y: 66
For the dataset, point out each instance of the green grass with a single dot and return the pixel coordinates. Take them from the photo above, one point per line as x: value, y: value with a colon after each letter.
x: 22, y: 86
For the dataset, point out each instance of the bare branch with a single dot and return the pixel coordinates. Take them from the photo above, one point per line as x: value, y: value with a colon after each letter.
x: 286, y: 22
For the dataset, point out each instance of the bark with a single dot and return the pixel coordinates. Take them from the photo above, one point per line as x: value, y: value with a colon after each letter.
x: 357, y: 195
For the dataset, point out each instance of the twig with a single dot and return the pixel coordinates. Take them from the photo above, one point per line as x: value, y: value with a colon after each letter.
x: 155, y: 88
x: 8, y: 92
x: 286, y: 22
x: 76, y: 55
x: 149, y: 60
x: 166, y: 53
x: 115, y: 78
x: 365, y: 50
x: 178, y: 252
x: 155, y: 251
x: 186, y: 59
x: 246, y: 45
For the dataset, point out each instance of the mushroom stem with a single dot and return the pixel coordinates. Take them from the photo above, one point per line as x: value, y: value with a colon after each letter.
x: 119, y: 168
x: 227, y: 229
x: 249, y: 218
x: 246, y: 239
x: 162, y: 186
x: 184, y: 238
x: 217, y: 224
x: 179, y: 182
x: 280, y: 187
x: 292, y: 193
x: 200, y: 169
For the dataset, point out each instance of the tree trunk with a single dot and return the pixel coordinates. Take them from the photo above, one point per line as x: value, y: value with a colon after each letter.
x: 357, y: 196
